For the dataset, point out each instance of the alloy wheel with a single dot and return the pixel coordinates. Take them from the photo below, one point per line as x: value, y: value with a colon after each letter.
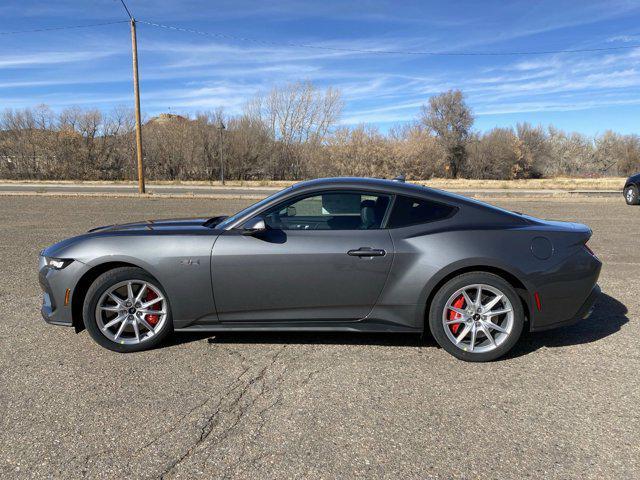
x: 478, y: 318
x: 131, y: 312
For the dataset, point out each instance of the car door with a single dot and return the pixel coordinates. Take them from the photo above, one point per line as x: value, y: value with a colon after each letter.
x: 323, y: 257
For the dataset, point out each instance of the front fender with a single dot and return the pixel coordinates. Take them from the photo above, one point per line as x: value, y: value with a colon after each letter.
x: 180, y: 263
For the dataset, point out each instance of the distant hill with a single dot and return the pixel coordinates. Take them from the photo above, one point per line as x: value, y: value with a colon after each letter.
x: 168, y: 119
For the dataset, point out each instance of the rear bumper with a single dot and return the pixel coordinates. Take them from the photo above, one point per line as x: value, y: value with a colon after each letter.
x: 583, y: 312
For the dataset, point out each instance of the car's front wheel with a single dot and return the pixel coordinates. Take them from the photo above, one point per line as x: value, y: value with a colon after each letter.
x: 126, y: 310
x: 631, y: 195
x: 476, y: 317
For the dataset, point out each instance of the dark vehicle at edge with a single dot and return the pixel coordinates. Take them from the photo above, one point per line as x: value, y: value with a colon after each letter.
x: 631, y: 190
x: 341, y: 254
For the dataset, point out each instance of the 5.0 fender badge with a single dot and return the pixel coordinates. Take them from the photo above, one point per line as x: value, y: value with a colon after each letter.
x: 189, y: 261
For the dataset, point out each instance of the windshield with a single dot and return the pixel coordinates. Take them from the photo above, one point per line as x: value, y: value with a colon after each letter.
x: 256, y: 206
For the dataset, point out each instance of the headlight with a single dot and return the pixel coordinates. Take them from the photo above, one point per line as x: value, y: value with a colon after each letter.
x: 57, y: 263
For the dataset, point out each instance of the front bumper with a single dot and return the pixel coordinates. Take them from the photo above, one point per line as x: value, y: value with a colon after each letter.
x: 583, y: 312
x: 54, y: 284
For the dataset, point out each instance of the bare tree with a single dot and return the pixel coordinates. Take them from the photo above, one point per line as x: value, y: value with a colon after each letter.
x: 297, y: 115
x: 617, y: 153
x: 291, y: 133
x: 417, y: 153
x: 534, y: 151
x: 361, y: 151
x: 449, y: 117
x: 249, y: 148
x: 571, y: 154
x: 493, y: 155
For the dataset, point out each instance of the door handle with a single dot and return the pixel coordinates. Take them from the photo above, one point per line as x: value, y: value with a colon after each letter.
x: 367, y: 252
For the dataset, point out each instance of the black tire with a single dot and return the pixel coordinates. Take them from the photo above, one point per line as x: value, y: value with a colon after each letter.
x: 99, y: 287
x: 631, y: 195
x: 450, y: 288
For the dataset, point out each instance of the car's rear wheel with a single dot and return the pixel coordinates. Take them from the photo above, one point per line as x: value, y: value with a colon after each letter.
x: 476, y: 317
x: 126, y: 310
x: 631, y: 195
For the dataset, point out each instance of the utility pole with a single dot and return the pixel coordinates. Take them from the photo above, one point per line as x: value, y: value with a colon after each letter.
x: 221, y: 127
x: 136, y: 91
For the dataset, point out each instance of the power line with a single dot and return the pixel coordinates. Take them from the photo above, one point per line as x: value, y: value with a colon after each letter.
x: 383, y: 52
x: 49, y: 29
x: 126, y: 9
x: 323, y: 47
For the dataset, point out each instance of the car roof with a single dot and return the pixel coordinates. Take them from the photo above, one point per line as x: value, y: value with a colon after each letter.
x: 399, y: 187
x: 364, y: 182
x: 384, y: 185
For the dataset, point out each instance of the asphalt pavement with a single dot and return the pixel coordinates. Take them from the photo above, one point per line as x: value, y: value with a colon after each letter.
x: 562, y: 405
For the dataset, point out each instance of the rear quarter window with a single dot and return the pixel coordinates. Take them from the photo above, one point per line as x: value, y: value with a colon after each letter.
x: 409, y: 211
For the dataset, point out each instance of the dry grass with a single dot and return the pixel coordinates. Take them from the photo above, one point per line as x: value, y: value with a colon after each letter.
x: 560, y: 183
x: 230, y: 183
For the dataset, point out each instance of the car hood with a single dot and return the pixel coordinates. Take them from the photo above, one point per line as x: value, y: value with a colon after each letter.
x: 176, y: 225
x: 172, y: 226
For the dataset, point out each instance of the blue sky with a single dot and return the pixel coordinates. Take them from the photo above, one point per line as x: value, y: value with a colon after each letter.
x: 184, y: 73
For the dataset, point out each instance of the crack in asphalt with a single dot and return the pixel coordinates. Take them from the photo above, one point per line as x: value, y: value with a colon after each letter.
x: 242, y: 457
x: 241, y: 389
x: 236, y: 399
x: 264, y: 415
x: 177, y: 424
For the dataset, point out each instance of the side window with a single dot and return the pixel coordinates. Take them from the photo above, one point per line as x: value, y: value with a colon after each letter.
x: 329, y: 211
x: 412, y: 211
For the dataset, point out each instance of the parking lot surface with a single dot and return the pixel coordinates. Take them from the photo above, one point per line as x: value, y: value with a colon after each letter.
x: 563, y: 404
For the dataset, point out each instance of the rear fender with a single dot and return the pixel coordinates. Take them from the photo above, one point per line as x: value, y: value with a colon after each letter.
x: 491, y: 265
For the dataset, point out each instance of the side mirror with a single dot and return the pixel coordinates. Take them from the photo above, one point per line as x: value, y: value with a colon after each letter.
x: 253, y: 226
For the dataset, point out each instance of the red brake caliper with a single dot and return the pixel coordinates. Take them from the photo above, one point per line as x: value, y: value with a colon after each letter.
x: 152, y: 319
x: 455, y: 315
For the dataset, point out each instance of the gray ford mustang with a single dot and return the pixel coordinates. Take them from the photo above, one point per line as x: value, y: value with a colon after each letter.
x: 341, y: 254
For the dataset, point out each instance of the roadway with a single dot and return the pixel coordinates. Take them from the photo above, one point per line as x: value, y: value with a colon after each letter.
x: 116, y: 189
